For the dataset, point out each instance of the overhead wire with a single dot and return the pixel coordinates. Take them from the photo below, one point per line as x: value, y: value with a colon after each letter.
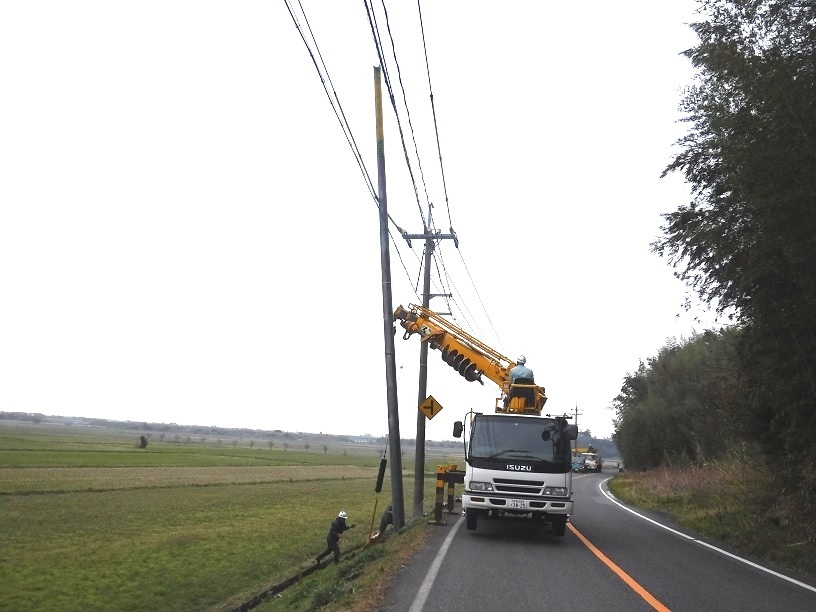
x: 334, y: 100
x: 372, y: 20
x: 377, y: 39
x: 338, y: 112
x: 437, y: 252
x: 427, y: 224
x: 433, y: 110
x: 375, y: 32
x: 338, y: 109
x: 410, y: 126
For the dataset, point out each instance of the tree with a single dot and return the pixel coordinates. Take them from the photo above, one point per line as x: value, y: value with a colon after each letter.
x: 684, y: 404
x: 747, y: 242
x: 142, y: 442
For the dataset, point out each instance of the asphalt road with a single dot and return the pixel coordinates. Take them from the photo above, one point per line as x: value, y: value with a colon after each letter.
x: 649, y: 564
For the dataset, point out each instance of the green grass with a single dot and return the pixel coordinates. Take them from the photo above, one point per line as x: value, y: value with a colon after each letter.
x: 731, y: 501
x: 92, y: 523
x: 358, y: 583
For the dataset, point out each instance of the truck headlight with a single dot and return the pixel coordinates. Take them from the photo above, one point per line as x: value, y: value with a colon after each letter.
x: 480, y: 486
x: 555, y: 491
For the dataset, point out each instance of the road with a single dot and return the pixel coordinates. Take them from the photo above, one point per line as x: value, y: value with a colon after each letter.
x: 649, y: 564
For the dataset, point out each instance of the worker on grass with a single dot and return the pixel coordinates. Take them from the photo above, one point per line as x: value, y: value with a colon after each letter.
x: 386, y: 519
x: 336, y: 530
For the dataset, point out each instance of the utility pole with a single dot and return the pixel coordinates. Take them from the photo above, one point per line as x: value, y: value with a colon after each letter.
x: 397, y: 500
x: 575, y: 443
x: 419, y: 460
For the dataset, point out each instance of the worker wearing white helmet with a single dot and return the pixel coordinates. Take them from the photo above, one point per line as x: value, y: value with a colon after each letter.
x: 336, y: 530
x: 520, y: 370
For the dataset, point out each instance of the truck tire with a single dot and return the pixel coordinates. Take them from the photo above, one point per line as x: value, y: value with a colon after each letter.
x: 470, y: 519
x: 559, y: 525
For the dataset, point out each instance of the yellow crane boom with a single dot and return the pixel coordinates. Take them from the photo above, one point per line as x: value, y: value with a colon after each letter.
x: 471, y: 358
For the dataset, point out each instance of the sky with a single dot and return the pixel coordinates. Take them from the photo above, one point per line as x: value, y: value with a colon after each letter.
x: 186, y: 236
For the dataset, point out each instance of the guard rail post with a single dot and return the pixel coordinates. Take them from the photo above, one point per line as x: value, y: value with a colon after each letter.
x: 440, y: 493
x: 451, y: 468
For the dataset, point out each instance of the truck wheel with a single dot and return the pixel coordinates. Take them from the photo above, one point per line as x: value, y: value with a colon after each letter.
x: 559, y: 525
x: 470, y: 519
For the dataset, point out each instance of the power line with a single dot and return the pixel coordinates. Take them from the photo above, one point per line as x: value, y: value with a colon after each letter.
x: 338, y: 108
x: 433, y: 109
x: 334, y: 100
x: 375, y: 32
x: 410, y: 124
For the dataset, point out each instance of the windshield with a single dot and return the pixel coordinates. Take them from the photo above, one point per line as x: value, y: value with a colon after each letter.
x: 517, y: 437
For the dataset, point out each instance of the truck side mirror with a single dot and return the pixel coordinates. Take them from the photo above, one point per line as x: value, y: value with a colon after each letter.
x: 572, y: 432
x: 458, y: 428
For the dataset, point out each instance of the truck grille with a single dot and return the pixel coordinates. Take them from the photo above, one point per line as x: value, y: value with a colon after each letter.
x: 527, y: 487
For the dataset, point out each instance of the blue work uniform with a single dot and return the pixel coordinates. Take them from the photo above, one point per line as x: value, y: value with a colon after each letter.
x: 520, y: 371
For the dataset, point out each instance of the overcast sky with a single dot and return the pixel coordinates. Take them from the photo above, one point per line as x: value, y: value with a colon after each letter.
x: 185, y: 235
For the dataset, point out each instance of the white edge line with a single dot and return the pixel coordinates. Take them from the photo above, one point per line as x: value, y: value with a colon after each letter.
x: 612, y: 498
x: 427, y: 583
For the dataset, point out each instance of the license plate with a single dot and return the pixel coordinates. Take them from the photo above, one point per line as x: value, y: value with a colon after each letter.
x: 518, y: 504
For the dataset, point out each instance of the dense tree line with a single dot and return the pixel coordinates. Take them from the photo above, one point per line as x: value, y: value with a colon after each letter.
x: 684, y: 405
x: 746, y: 242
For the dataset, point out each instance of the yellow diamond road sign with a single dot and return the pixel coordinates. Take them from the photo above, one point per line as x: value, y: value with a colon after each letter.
x: 430, y: 407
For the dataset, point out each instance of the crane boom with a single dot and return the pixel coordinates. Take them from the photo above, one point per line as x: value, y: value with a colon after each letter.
x: 471, y: 358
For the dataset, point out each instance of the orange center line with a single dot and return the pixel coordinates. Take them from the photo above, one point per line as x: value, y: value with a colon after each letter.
x: 633, y: 584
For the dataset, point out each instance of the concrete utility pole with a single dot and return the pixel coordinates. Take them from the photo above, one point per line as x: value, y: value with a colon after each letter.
x: 575, y: 443
x: 397, y: 500
x: 419, y: 461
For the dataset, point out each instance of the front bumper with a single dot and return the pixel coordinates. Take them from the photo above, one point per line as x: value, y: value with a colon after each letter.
x: 517, y: 505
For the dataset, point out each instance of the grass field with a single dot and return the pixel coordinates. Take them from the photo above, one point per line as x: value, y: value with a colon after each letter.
x: 89, y: 522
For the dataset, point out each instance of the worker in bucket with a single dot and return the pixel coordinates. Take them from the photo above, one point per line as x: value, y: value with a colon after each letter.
x: 523, y: 375
x: 520, y: 370
x: 336, y: 530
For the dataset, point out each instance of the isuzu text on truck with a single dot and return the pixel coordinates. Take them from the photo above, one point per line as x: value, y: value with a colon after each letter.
x: 518, y: 463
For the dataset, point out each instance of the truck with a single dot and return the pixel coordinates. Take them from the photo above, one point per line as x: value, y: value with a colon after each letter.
x: 589, y: 458
x: 518, y: 463
x: 592, y: 462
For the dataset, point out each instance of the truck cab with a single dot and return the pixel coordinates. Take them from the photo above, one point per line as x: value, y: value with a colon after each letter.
x: 592, y: 462
x: 519, y: 467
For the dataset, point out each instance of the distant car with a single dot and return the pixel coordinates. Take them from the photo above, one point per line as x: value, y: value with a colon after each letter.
x: 578, y: 465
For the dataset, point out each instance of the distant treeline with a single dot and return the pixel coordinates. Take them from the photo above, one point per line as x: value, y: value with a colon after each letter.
x: 222, y: 432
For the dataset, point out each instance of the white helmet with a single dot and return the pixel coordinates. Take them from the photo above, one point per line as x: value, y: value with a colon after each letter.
x: 521, y: 360
x: 342, y: 514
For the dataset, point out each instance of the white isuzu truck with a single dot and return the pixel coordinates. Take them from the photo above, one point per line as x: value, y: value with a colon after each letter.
x: 518, y: 463
x: 518, y: 466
